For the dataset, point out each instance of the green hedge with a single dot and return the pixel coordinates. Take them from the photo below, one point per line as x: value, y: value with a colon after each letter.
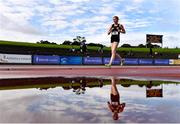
x: 36, y: 45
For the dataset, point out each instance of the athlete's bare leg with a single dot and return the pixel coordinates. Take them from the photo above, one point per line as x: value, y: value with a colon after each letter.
x: 114, y: 89
x: 113, y: 51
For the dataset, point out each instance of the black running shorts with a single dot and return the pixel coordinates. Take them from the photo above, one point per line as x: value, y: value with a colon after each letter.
x: 115, y: 38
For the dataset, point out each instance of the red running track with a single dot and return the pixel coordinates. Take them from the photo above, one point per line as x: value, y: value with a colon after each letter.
x: 145, y: 72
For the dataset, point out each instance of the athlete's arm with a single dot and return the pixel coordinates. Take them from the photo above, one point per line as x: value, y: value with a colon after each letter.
x: 122, y: 29
x: 110, y: 106
x: 121, y: 107
x: 110, y: 30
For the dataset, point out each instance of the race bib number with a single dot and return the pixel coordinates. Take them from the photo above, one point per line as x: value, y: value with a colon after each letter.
x: 115, y: 33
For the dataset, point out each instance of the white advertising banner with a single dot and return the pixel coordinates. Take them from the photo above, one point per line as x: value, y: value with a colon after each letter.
x: 15, y: 58
x: 171, y: 61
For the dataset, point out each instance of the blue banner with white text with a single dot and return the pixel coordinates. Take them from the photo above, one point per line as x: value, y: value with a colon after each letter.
x: 115, y: 62
x: 131, y: 61
x: 92, y: 60
x: 71, y: 60
x: 161, y: 61
x: 43, y: 59
x: 145, y: 61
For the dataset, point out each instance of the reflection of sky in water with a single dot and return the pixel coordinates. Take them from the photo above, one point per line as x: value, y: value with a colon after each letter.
x: 58, y: 105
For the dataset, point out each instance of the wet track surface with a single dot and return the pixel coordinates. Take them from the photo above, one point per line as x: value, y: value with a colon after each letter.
x: 85, y: 99
x: 84, y: 94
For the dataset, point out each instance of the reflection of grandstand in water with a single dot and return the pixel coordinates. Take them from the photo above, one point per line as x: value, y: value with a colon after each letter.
x: 77, y: 84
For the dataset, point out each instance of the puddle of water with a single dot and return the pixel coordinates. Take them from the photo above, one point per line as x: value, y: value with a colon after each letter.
x: 89, y: 100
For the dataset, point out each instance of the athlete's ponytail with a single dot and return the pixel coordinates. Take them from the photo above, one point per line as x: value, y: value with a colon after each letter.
x: 116, y: 17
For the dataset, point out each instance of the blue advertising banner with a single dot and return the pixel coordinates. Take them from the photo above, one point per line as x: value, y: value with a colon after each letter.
x: 71, y: 60
x: 145, y: 61
x: 43, y: 59
x: 131, y: 61
x: 92, y: 60
x: 115, y: 62
x: 161, y: 61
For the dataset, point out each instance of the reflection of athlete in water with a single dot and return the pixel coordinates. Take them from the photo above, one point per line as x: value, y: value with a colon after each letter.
x: 115, y: 106
x: 115, y: 31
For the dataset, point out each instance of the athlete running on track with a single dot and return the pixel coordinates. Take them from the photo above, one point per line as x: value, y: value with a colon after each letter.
x: 115, y: 31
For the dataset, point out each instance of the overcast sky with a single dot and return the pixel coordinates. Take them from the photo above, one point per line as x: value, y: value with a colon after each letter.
x: 59, y: 20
